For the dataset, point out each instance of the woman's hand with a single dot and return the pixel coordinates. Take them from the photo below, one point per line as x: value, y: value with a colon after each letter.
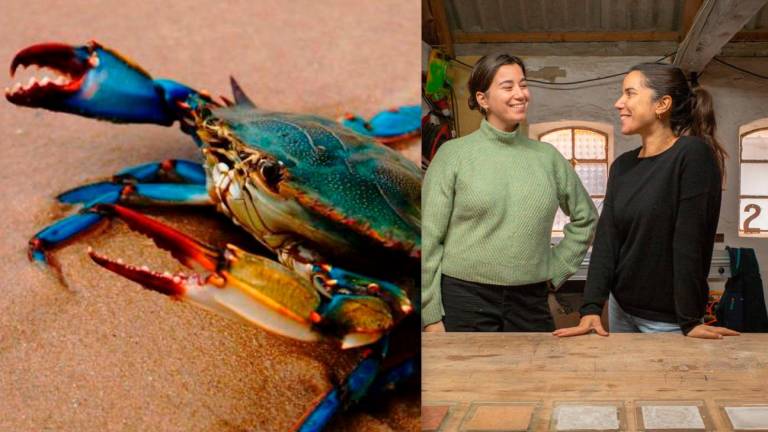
x: 435, y: 327
x: 586, y: 325
x: 704, y: 331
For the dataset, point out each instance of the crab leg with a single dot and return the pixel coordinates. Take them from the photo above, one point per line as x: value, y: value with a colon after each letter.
x: 388, y: 127
x: 108, y: 193
x: 390, y: 378
x: 350, y: 391
x: 370, y: 378
x: 135, y: 181
x: 180, y: 170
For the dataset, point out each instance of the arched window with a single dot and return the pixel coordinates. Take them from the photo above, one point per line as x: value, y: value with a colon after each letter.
x: 587, y: 150
x: 753, y: 194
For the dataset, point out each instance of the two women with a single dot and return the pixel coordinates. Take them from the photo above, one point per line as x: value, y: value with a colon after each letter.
x: 486, y: 225
x: 489, y: 200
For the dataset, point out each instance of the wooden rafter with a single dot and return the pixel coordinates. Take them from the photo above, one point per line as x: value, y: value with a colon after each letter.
x: 443, y: 29
x: 716, y: 23
x: 751, y: 36
x: 462, y: 37
x: 690, y: 8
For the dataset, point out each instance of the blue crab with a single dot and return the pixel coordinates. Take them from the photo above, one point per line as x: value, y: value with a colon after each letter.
x: 309, y: 189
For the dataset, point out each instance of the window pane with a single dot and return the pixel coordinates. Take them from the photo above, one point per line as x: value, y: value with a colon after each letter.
x: 754, y: 178
x: 562, y: 141
x: 594, y: 176
x: 560, y: 220
x: 590, y: 145
x: 755, y: 146
x: 599, y: 204
x: 756, y: 211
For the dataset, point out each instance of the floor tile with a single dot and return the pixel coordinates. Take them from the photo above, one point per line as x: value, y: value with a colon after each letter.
x: 660, y: 417
x: 587, y: 417
x: 499, y: 417
x: 432, y: 416
x: 748, y: 418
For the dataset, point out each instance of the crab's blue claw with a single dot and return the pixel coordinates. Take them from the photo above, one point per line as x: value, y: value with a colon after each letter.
x: 94, y: 81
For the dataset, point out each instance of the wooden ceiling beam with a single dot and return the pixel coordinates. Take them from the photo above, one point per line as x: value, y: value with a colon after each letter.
x: 751, y: 36
x: 716, y: 22
x: 690, y: 8
x: 462, y: 37
x: 443, y: 29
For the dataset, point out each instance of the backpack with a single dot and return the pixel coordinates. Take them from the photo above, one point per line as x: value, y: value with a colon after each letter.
x: 742, y: 306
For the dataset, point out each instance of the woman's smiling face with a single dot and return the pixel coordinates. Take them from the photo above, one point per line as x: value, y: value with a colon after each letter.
x: 506, y: 100
x: 636, y: 106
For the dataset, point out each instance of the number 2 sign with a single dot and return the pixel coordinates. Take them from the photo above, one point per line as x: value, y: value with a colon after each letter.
x: 753, y: 211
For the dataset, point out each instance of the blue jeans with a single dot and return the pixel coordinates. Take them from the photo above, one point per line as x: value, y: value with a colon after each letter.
x: 622, y: 322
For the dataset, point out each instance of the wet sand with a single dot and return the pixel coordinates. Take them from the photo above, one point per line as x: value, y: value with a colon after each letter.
x: 104, y: 354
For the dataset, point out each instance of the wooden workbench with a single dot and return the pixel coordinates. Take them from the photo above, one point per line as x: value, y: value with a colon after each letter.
x: 462, y: 368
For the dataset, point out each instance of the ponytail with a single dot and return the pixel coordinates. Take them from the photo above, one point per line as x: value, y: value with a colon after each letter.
x: 703, y: 124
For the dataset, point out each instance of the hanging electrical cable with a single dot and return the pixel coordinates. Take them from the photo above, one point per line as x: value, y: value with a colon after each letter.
x: 548, y: 83
x: 748, y: 72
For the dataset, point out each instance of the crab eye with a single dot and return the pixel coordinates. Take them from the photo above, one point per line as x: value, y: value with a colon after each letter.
x: 270, y: 171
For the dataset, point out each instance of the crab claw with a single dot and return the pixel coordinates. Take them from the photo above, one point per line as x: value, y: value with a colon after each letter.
x: 237, y: 284
x: 94, y: 81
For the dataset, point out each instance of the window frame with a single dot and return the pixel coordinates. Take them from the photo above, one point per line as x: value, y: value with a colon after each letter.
x: 741, y: 232
x: 574, y: 161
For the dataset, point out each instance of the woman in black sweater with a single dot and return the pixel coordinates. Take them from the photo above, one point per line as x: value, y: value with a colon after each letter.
x: 653, y: 245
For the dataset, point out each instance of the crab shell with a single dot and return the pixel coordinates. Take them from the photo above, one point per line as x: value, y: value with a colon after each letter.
x: 293, y: 177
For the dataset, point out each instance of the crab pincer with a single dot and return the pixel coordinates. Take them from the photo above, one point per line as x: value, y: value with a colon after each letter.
x: 92, y: 80
x: 238, y: 284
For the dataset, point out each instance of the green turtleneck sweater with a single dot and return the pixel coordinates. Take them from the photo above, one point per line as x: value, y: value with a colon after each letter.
x: 488, y: 203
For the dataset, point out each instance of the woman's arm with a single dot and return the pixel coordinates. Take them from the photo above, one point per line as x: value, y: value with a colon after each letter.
x: 437, y: 206
x: 602, y: 264
x: 605, y: 251
x: 602, y: 259
x: 698, y: 209
x: 575, y: 202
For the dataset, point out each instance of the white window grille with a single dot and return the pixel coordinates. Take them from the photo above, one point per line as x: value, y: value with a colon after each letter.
x: 587, y: 150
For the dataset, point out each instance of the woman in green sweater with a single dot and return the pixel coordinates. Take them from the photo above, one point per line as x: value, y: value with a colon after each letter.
x: 489, y: 201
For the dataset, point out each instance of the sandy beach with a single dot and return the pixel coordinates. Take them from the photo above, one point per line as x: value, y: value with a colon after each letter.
x: 103, y: 353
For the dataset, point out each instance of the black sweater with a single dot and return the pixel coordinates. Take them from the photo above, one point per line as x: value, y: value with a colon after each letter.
x: 653, y: 246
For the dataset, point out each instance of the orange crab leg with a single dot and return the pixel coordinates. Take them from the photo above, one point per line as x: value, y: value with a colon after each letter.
x: 184, y: 248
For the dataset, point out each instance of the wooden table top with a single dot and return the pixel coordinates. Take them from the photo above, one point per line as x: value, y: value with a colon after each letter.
x: 462, y: 368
